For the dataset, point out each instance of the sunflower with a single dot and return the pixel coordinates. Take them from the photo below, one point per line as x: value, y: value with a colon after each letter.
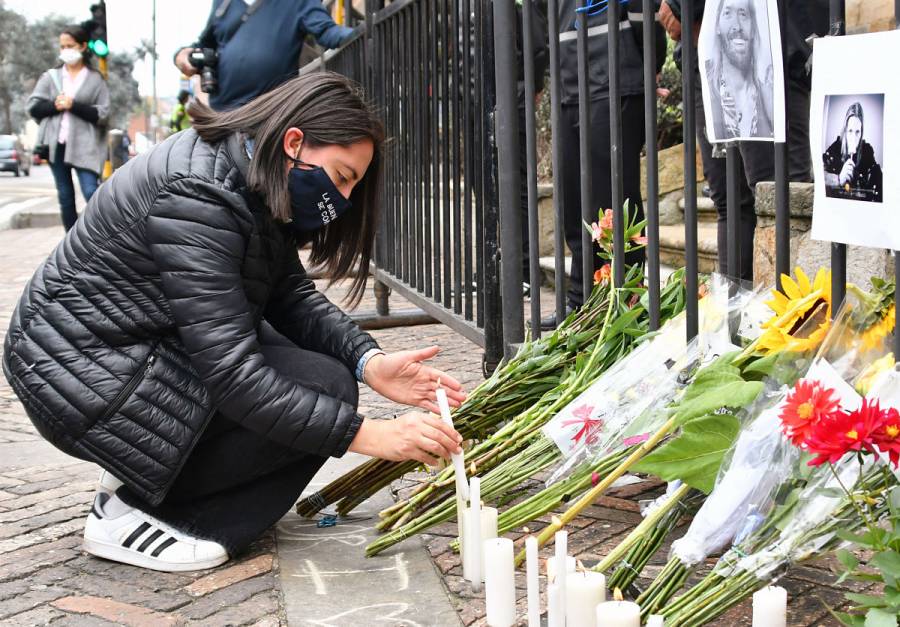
x: 875, y: 334
x: 872, y: 372
x: 802, y: 313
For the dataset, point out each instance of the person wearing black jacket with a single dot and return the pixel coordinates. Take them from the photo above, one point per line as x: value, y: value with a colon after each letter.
x: 631, y: 80
x: 174, y: 338
x: 805, y: 18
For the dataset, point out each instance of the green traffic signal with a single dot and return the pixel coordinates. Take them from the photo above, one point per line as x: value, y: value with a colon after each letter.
x: 98, y: 47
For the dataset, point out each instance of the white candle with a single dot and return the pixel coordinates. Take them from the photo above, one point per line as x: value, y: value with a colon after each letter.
x: 534, y: 592
x: 770, y: 607
x: 584, y: 591
x: 561, y: 539
x: 489, y: 516
x: 571, y: 564
x: 459, y: 466
x: 618, y: 614
x: 555, y: 614
x: 655, y: 620
x: 472, y: 536
x: 499, y: 583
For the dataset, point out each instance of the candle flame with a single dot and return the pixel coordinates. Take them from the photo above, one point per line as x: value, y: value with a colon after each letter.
x: 439, y: 382
x: 472, y: 469
x: 526, y: 530
x: 555, y: 521
x: 579, y: 566
x: 617, y: 595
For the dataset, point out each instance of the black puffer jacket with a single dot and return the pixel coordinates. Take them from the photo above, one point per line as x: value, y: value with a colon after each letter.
x: 144, y: 321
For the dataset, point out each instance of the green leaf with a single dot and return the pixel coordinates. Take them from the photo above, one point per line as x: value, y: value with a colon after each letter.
x: 879, y: 618
x: 865, y: 600
x: 696, y: 454
x: 735, y: 394
x: 888, y: 562
x: 847, y: 558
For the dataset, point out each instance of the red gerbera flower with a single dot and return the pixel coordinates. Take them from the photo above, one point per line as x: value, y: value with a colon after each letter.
x: 887, y: 436
x: 806, y: 405
x: 843, y: 432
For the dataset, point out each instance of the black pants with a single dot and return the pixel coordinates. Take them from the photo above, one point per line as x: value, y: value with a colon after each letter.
x: 757, y: 163
x: 236, y: 483
x: 632, y: 117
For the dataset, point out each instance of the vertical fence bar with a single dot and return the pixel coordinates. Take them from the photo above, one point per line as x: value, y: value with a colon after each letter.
x: 534, y: 270
x: 446, y: 35
x: 434, y: 191
x: 348, y: 12
x: 838, y: 251
x: 615, y: 146
x: 650, y: 130
x: 483, y: 174
x: 427, y: 148
x: 896, y: 253
x: 584, y: 143
x: 782, y: 185
x: 418, y: 142
x: 559, y: 240
x: 689, y: 60
x: 456, y: 163
x: 507, y: 139
x: 733, y: 210
x: 494, y: 341
x: 405, y: 137
x: 397, y: 162
x: 469, y: 164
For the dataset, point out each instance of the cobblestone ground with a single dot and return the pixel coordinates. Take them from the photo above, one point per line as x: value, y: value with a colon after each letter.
x: 44, y: 499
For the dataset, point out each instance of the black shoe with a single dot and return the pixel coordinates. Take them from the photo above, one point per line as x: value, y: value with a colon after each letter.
x: 549, y: 323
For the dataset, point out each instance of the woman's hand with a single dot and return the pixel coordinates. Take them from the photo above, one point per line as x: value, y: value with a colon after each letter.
x: 413, y: 436
x: 403, y: 378
x: 63, y: 102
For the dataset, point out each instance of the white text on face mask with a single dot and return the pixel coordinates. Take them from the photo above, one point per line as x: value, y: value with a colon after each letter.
x: 326, y: 208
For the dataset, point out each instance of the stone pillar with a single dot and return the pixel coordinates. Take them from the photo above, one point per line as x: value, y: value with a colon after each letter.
x: 809, y: 254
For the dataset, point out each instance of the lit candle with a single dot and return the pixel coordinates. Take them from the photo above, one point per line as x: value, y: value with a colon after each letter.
x: 770, y: 607
x: 561, y: 540
x: 555, y: 614
x: 499, y: 583
x: 584, y: 591
x: 534, y: 593
x: 571, y: 565
x: 489, y: 516
x: 472, y: 536
x: 655, y: 620
x: 618, y: 613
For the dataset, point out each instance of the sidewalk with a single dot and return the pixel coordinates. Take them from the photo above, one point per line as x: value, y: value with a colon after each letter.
x: 299, y: 574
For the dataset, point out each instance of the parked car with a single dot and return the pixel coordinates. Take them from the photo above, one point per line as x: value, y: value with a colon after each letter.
x: 13, y: 156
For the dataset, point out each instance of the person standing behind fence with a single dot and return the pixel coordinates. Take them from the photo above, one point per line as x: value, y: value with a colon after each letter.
x: 631, y: 81
x: 71, y: 102
x: 250, y: 47
x: 180, y: 119
x: 805, y: 18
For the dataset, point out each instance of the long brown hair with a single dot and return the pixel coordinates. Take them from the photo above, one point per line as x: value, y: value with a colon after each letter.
x: 329, y: 109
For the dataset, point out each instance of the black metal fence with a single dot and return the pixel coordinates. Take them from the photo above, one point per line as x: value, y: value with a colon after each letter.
x: 444, y: 74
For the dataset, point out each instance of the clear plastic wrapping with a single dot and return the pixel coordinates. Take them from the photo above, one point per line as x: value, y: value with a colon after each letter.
x: 628, y: 403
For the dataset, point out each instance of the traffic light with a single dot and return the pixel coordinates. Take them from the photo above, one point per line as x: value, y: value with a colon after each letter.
x: 96, y: 28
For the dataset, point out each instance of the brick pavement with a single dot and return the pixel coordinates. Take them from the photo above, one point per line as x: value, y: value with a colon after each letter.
x: 44, y: 498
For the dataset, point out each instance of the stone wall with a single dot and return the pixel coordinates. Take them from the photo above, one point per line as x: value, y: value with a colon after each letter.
x: 862, y: 263
x: 867, y: 16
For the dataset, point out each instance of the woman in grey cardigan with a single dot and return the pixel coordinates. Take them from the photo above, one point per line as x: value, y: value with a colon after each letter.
x: 71, y: 103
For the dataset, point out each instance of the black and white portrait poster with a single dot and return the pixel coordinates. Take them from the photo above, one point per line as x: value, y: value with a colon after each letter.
x: 741, y: 71
x: 854, y: 129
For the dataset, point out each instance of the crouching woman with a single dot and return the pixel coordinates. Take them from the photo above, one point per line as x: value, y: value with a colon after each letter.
x: 174, y: 338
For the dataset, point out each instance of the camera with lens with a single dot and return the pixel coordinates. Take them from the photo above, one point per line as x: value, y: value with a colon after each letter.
x: 206, y: 60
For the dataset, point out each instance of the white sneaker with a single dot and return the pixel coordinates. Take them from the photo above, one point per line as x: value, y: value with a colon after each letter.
x: 107, y: 483
x: 116, y: 531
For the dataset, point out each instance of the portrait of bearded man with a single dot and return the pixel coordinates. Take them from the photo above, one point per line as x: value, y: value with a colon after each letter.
x: 739, y: 74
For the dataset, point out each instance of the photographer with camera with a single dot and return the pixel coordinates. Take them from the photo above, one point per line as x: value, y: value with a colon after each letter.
x: 251, y: 46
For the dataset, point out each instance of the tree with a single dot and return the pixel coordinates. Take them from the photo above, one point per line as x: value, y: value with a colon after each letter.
x: 124, y: 97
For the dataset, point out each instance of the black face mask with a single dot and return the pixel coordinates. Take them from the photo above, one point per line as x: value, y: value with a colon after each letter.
x: 315, y: 201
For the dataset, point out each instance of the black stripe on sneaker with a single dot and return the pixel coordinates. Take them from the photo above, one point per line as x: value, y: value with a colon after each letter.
x: 137, y: 533
x: 165, y: 544
x: 150, y: 540
x: 95, y: 512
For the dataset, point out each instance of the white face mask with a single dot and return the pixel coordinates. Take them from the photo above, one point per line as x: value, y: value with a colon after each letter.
x: 70, y: 56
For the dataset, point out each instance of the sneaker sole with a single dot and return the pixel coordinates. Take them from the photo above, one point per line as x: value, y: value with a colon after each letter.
x: 116, y: 553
